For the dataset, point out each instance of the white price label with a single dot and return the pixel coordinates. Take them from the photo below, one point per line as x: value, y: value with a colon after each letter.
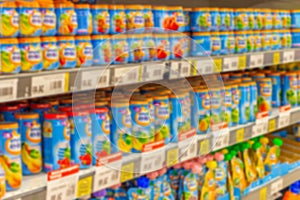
x: 62, y: 185
x: 153, y: 71
x: 187, y: 149
x: 47, y: 85
x: 174, y: 70
x: 8, y: 89
x: 221, y: 139
x: 152, y: 161
x: 260, y: 127
x: 94, y: 79
x: 107, y: 175
x: 288, y: 56
x: 126, y: 75
x: 230, y: 63
x: 276, y: 186
x: 205, y: 66
x: 284, y: 119
x: 185, y: 69
x: 256, y: 60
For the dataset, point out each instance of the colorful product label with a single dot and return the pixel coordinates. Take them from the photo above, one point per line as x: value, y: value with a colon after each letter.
x: 201, y: 103
x: 190, y: 186
x: 264, y: 92
x: 178, y: 47
x: 289, y: 90
x: 200, y: 21
x: 187, y: 21
x: 201, y: 46
x: 275, y: 41
x: 48, y: 21
x: 240, y: 44
x: 162, y: 48
x: 101, y: 21
x: 257, y: 42
x: 117, y: 21
x: 235, y: 112
x: 120, y: 51
x: 258, y: 21
x: 150, y: 51
x: 56, y: 144
x: 276, y: 90
x: 241, y: 21
x: 102, y: 52
x: 11, y: 158
x: 216, y: 106
x: 31, y: 57
x: 148, y: 18
x: 135, y: 20
x: 67, y: 54
x: 244, y: 105
x: 175, y: 21
x: 66, y: 21
x: 227, y: 106
x: 266, y: 42
x: 162, y: 120
x: 215, y: 45
x: 215, y: 20
x: 10, y: 58
x: 84, y: 21
x: 30, y: 22
x: 9, y: 22
x: 251, y: 21
x: 177, y: 117
x: 84, y: 51
x: 50, y: 55
x: 136, y: 49
x: 253, y: 102
x: 226, y: 20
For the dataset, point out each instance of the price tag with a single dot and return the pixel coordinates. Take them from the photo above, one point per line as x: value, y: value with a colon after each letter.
x: 272, y: 125
x: 127, y: 172
x: 94, y: 79
x: 187, y: 149
x: 174, y: 69
x: 126, y: 75
x: 288, y: 56
x: 220, y: 139
x: 204, y: 147
x: 8, y: 89
x: 284, y: 119
x: 260, y: 127
x: 184, y: 69
x: 276, y: 186
x: 62, y: 184
x: 84, y: 187
x: 256, y: 60
x: 263, y: 193
x: 107, y: 175
x: 242, y: 62
x: 153, y: 71
x: 276, y: 58
x: 218, y: 62
x: 240, y: 135
x: 48, y: 85
x: 172, y: 157
x: 152, y: 161
x: 230, y: 63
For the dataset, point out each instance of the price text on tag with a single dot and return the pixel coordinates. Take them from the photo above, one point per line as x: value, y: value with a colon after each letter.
x: 272, y: 125
x: 187, y: 149
x: 153, y: 71
x: 276, y: 186
x: 152, y: 161
x: 54, y: 84
x: 204, y: 147
x: 126, y: 75
x: 84, y: 187
x: 289, y: 56
x: 260, y: 127
x: 240, y: 135
x: 230, y: 63
x: 94, y: 79
x: 263, y: 193
x: 276, y: 58
x: 221, y: 139
x: 127, y: 172
x: 8, y: 89
x: 284, y: 119
x: 172, y: 157
x: 218, y: 64
x: 256, y: 60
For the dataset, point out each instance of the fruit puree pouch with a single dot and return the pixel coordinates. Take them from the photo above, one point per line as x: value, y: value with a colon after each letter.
x: 40, y: 108
x: 174, y: 176
x: 244, y: 104
x: 227, y: 105
x: 190, y: 186
x: 215, y: 43
x: 221, y: 172
x: 251, y: 18
x: 295, y: 18
x: 201, y: 20
x: 30, y: 18
x: 48, y: 19
x: 148, y: 16
x: 137, y: 50
x: 201, y: 105
x: 66, y: 18
x: 166, y: 190
x: 143, y: 191
x: 56, y: 142
x: 227, y: 21
x: 10, y: 20
x: 276, y: 89
x: 257, y: 41
x: 162, y: 46
x: 149, y: 44
x: 67, y: 52
x: 250, y: 171
x: 155, y: 184
x: 121, y: 133
x: 135, y: 18
x: 264, y: 92
x: 241, y: 19
x: 101, y: 49
x: 120, y: 49
x: 141, y: 124
x: 187, y: 20
x: 175, y: 21
x: 215, y: 19
x: 50, y: 53
x: 117, y: 19
x: 265, y: 40
x: 100, y: 133
x: 178, y: 46
x: 273, y: 154
x: 11, y: 154
x: 201, y: 44
x: 289, y: 89
x: 84, y: 19
x: 209, y: 186
x: 84, y: 51
x: 31, y: 136
x: 237, y: 168
x: 101, y: 19
x: 258, y: 159
x: 31, y: 54
x: 240, y: 42
x: 10, y: 56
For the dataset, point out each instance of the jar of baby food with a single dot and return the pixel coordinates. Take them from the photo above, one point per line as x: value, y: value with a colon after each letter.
x: 101, y: 19
x: 275, y: 40
x: 187, y: 20
x: 177, y: 102
x: 251, y: 19
x: 215, y: 19
x: 150, y: 50
x: 48, y: 18
x: 235, y: 92
x: 161, y: 17
x: 215, y: 43
x: 289, y: 89
x: 101, y: 49
x: 258, y: 19
x: 257, y: 41
x: 201, y: 44
x: 201, y: 20
x: 31, y: 137
x: 175, y: 21
x: 31, y: 54
x: 120, y: 49
x: 30, y: 18
x: 10, y: 56
x: 227, y: 19
x: 67, y: 51
x: 162, y: 46
x: 268, y: 19
x: 250, y: 41
x: 84, y: 19
x: 9, y: 22
x: 286, y: 20
x: 11, y: 154
x: 216, y: 106
x: 295, y: 18
x: 136, y: 48
x: 264, y: 92
x: 135, y: 18
x: 56, y: 141
x: 253, y: 101
x: 40, y: 108
x: 66, y: 19
x: 276, y: 89
x: 277, y: 23
x: 84, y: 51
x: 227, y: 105
x: 289, y: 38
x: 117, y: 19
x: 50, y: 53
x: 241, y: 20
x: 177, y: 45
x: 148, y: 17
x: 295, y: 38
x: 265, y: 40
x: 240, y: 42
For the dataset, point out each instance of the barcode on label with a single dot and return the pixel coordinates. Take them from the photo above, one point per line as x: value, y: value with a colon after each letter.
x: 71, y: 190
x: 54, y: 85
x: 7, y: 91
x: 234, y: 64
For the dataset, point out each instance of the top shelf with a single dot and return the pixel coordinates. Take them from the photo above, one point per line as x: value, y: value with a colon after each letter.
x: 46, y: 83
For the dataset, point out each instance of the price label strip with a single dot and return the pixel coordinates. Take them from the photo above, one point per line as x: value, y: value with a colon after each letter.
x: 220, y: 139
x: 230, y: 64
x: 8, y: 89
x: 126, y: 75
x: 152, y: 161
x: 240, y: 135
x: 54, y: 84
x: 184, y: 69
x: 204, y: 147
x: 172, y: 157
x: 284, y: 119
x: 288, y: 56
x: 272, y: 125
x: 175, y: 70
x: 263, y: 193
x: 218, y: 62
x: 276, y: 186
x: 62, y: 184
x: 260, y: 127
x: 256, y: 60
x: 127, y: 172
x: 242, y: 62
x: 187, y: 149
x: 153, y: 71
x: 94, y: 79
x: 276, y: 58
x: 84, y: 187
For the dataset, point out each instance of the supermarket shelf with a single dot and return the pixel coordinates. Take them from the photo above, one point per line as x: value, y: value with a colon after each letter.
x: 35, y: 186
x: 46, y: 83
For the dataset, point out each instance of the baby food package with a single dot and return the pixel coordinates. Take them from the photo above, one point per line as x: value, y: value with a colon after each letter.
x: 258, y: 159
x: 190, y: 183
x: 250, y: 171
x: 209, y: 185
x: 221, y: 174
x: 238, y: 175
x: 143, y: 191
x: 273, y: 154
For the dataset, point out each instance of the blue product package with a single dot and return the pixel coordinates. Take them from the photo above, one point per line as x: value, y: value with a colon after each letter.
x: 50, y: 53
x: 84, y: 51
x: 177, y: 46
x: 67, y: 52
x: 240, y: 42
x: 149, y: 45
x: 8, y: 112
x: 48, y: 19
x: 227, y: 105
x: 162, y: 46
x: 215, y: 44
x: 40, y: 108
x: 84, y: 19
x: 289, y: 89
x: 176, y: 116
x: 117, y: 18
x: 241, y: 20
x: 235, y: 112
x: 227, y: 19
x: 276, y: 89
x: 201, y: 44
x: 101, y: 20
x: 244, y: 104
x: 136, y: 48
x: 253, y: 101
x: 160, y: 15
x: 66, y: 19
x: 225, y: 43
x: 101, y: 49
x: 9, y: 12
x: 215, y: 19
x: 295, y: 38
x: 187, y: 20
x: 216, y: 105
x: 120, y: 49
x: 295, y: 19
x: 201, y: 20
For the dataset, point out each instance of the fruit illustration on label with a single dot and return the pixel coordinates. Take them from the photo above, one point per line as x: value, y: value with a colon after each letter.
x: 13, y: 172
